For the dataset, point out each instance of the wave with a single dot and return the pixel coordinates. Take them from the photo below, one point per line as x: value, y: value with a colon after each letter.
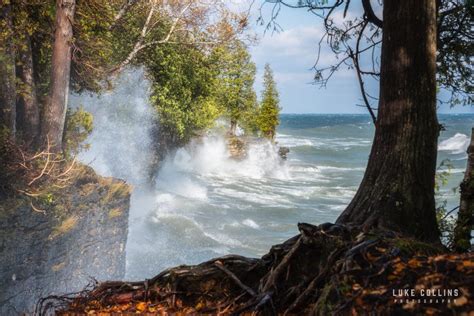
x: 290, y: 141
x: 210, y: 158
x: 455, y: 145
x: 330, y: 143
x: 332, y: 168
x: 250, y: 223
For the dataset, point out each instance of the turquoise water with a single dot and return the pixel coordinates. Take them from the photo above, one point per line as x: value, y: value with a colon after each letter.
x: 206, y: 205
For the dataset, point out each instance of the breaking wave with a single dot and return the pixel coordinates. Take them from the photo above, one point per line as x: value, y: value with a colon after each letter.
x: 456, y: 145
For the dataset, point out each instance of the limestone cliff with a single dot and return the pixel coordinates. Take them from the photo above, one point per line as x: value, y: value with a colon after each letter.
x: 56, y: 246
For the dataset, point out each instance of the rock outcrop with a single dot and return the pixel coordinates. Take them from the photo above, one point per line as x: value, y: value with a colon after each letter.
x: 56, y: 246
x: 238, y: 146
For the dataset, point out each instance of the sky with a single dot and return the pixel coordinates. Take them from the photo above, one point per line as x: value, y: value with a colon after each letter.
x: 292, y: 53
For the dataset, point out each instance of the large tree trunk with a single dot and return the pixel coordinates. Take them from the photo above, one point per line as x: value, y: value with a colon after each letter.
x: 465, y: 221
x: 54, y: 115
x: 27, y: 102
x: 397, y: 191
x: 7, y: 71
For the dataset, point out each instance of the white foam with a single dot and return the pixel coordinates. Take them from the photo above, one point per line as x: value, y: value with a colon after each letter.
x: 291, y: 141
x: 210, y: 158
x: 250, y: 223
x: 456, y: 145
x: 223, y: 239
x: 332, y: 168
x: 332, y: 143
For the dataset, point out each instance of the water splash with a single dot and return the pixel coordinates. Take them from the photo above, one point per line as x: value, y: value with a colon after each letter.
x: 209, y: 157
x: 120, y: 143
x: 456, y: 145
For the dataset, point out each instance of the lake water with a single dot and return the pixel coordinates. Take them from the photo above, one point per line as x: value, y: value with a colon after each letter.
x: 207, y: 205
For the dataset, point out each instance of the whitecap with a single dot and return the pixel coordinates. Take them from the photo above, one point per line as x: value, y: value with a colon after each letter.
x: 333, y: 168
x: 456, y: 145
x: 250, y: 223
x: 290, y: 141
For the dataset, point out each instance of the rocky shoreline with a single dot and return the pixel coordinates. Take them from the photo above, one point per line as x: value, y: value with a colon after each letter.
x: 57, y: 246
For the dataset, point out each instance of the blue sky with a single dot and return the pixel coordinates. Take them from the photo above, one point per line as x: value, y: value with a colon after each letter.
x: 292, y: 53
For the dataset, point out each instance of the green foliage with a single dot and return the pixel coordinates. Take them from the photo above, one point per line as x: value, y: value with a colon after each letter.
x: 236, y: 75
x: 79, y: 125
x: 192, y: 84
x: 443, y: 173
x: 268, y: 118
x: 182, y: 91
x: 446, y: 223
x: 249, y: 120
x: 47, y: 198
x: 446, y: 220
x: 95, y: 44
x: 455, y: 47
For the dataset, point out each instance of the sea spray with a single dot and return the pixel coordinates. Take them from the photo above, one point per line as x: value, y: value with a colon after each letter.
x: 209, y: 156
x: 197, y: 198
x: 120, y: 143
x: 456, y: 144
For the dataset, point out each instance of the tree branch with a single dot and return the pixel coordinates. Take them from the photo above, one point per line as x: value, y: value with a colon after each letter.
x: 355, y: 59
x: 370, y: 14
x: 123, y: 10
x: 139, y: 45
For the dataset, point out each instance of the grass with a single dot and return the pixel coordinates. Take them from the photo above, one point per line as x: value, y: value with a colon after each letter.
x: 66, y: 226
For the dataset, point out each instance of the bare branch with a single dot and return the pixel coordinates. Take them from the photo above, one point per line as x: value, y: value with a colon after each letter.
x: 137, y: 47
x: 355, y: 59
x: 370, y: 14
x: 123, y: 10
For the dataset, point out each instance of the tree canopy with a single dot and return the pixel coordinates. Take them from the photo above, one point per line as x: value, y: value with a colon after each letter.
x: 236, y: 76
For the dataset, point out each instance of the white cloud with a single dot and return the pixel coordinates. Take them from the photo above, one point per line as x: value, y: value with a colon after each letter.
x: 294, y: 77
x: 296, y: 42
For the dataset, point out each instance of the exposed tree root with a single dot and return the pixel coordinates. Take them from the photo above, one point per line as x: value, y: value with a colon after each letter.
x: 325, y: 270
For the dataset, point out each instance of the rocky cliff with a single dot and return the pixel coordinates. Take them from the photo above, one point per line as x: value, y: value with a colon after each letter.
x: 56, y: 246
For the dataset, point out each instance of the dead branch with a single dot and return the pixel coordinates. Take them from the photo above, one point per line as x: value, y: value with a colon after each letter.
x: 355, y: 59
x: 275, y: 274
x: 249, y: 290
x: 37, y: 209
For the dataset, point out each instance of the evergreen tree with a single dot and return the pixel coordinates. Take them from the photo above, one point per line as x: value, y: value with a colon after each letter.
x: 235, y: 92
x: 183, y: 82
x: 269, y: 108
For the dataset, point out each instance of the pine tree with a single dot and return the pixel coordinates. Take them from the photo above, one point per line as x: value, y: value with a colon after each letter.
x: 268, y: 118
x: 235, y: 92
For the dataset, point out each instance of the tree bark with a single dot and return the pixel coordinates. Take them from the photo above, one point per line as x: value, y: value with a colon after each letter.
x: 27, y: 102
x: 7, y: 71
x: 465, y: 221
x: 397, y: 191
x: 54, y: 115
x: 233, y: 127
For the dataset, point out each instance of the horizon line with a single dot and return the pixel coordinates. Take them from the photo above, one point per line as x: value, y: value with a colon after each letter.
x: 347, y: 113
